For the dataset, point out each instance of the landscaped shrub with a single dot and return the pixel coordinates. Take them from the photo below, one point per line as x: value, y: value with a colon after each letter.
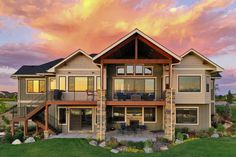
x: 162, y: 140
x: 19, y: 135
x: 211, y: 131
x: 184, y: 130
x: 202, y: 134
x: 224, y: 111
x: 7, y: 138
x: 113, y: 143
x: 148, y: 144
x: 138, y: 145
x: 180, y: 136
x: 133, y: 150
x: 123, y: 143
x: 6, y: 120
x: 220, y: 129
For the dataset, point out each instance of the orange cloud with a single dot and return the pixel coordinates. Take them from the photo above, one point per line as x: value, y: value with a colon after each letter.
x: 93, y: 25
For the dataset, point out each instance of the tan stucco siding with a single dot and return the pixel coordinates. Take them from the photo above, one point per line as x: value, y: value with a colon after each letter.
x: 204, y: 117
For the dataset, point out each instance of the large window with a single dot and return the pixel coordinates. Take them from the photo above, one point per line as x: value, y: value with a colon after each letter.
x: 81, y: 83
x: 150, y: 114
x: 62, y: 115
x: 187, y: 116
x: 134, y: 111
x: 62, y: 83
x: 52, y: 82
x: 36, y: 86
x: 118, y: 113
x: 189, y: 84
x: 135, y: 85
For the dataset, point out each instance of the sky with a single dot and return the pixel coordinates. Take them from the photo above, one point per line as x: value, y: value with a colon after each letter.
x: 37, y: 31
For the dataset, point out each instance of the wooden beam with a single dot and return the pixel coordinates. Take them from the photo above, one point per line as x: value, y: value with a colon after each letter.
x: 136, y: 48
x: 155, y: 47
x: 134, y: 61
x: 136, y: 103
x: 46, y: 118
x: 68, y: 103
x: 25, y: 128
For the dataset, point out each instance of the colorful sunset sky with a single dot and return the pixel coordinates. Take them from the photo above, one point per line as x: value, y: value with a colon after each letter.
x: 37, y: 31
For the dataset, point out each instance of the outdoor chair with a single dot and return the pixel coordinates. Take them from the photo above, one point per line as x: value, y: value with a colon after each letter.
x: 122, y: 128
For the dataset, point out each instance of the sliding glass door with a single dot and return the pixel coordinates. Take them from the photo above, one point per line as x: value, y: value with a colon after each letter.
x: 80, y: 119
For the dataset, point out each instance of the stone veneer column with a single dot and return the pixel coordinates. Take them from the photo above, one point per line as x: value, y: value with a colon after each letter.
x: 101, y: 116
x: 170, y: 115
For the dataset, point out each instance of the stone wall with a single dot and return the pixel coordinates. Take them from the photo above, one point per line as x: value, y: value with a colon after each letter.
x: 101, y: 116
x: 169, y: 115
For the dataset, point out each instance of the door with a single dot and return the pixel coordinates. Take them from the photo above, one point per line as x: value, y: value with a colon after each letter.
x: 80, y: 119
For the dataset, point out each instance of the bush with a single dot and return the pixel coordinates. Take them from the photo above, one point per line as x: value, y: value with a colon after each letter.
x: 123, y: 143
x: 7, y: 138
x: 184, y: 130
x: 6, y: 120
x: 180, y: 136
x: 162, y: 140
x: 220, y: 129
x: 202, y: 134
x: 138, y: 145
x: 224, y: 111
x: 148, y: 144
x: 113, y: 143
x: 211, y: 131
x: 19, y: 135
x: 133, y: 150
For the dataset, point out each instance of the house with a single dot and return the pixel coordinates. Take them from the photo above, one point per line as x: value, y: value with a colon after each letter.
x: 134, y: 82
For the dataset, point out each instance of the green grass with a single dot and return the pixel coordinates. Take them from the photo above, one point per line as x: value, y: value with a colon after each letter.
x: 80, y: 148
x: 233, y: 108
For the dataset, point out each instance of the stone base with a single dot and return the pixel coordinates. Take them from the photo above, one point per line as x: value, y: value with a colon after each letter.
x: 46, y: 134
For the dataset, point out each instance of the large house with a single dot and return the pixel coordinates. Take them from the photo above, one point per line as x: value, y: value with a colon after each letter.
x: 134, y: 82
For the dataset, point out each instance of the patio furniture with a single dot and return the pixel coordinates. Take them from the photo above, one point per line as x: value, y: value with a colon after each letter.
x: 57, y: 94
x: 121, y: 96
x: 122, y: 128
x: 136, y: 97
x: 134, y: 125
x: 142, y: 128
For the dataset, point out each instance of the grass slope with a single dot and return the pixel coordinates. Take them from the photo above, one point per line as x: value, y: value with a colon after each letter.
x: 80, y: 148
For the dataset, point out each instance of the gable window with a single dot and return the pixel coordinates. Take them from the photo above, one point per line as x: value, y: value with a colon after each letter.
x: 52, y: 82
x: 129, y: 69
x: 148, y: 70
x: 187, y: 116
x: 78, y: 83
x: 149, y: 114
x: 189, y: 83
x: 139, y: 70
x: 36, y: 86
x: 62, y: 116
x: 62, y: 83
x: 120, y: 70
x: 118, y: 113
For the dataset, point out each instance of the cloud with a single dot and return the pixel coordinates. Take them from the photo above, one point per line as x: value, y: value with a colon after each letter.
x: 228, y: 81
x: 93, y: 25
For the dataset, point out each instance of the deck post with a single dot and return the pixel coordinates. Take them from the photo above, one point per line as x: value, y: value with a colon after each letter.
x: 25, y: 128
x: 12, y: 128
x: 46, y: 132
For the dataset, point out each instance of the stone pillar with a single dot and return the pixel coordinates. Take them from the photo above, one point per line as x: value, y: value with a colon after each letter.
x: 170, y: 115
x: 101, y: 116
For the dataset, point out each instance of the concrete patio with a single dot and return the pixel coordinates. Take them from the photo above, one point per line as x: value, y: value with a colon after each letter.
x: 127, y: 136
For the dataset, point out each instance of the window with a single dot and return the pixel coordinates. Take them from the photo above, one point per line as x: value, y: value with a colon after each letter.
x: 138, y: 69
x: 76, y: 84
x: 36, y: 86
x: 148, y: 70
x: 129, y: 69
x: 189, y: 84
x: 118, y: 113
x: 98, y: 83
x: 120, y: 71
x: 149, y: 114
x: 52, y: 82
x: 134, y: 111
x: 208, y: 84
x: 167, y: 82
x: 62, y: 115
x: 149, y: 85
x: 62, y: 83
x: 187, y: 116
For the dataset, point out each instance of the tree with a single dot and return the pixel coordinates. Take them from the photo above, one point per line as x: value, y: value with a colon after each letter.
x: 229, y: 97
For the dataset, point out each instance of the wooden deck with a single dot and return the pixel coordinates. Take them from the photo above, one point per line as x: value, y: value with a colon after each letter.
x: 136, y: 103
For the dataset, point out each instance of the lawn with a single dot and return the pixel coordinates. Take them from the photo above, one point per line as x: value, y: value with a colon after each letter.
x: 80, y: 148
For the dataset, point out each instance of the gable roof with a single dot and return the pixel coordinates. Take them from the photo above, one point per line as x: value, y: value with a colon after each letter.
x: 143, y: 35
x: 218, y: 68
x: 34, y: 69
x: 52, y: 69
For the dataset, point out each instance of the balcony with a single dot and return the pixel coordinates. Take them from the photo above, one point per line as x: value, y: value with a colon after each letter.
x: 153, y: 97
